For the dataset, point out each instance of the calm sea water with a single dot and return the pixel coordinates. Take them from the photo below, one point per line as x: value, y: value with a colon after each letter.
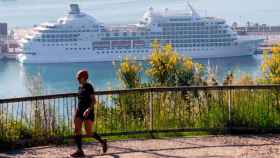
x: 61, y: 77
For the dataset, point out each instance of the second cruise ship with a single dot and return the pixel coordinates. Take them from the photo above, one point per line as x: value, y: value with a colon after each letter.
x: 79, y: 37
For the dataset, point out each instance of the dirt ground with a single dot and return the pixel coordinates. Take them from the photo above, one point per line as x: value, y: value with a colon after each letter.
x: 196, y: 147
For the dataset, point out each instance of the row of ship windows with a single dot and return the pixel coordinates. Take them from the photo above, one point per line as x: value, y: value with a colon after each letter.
x: 124, y: 51
x: 77, y: 48
x: 188, y: 39
x: 147, y: 51
x: 171, y: 25
x: 175, y: 44
x: 195, y: 31
x: 189, y: 45
x: 123, y: 34
x: 127, y: 51
x: 202, y: 40
x: 56, y: 40
x: 190, y: 42
x: 180, y: 40
x: 172, y: 34
x: 193, y: 37
x: 59, y: 35
x: 203, y: 44
x: 61, y: 44
x: 144, y: 51
x: 134, y: 34
x: 83, y: 26
x: 192, y: 24
x: 194, y: 28
x: 209, y: 27
x: 167, y: 32
x: 118, y: 48
x: 177, y: 36
x: 68, y: 31
x: 180, y: 19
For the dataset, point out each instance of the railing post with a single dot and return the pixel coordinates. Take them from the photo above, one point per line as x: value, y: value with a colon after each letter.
x: 151, y: 110
x: 229, y: 110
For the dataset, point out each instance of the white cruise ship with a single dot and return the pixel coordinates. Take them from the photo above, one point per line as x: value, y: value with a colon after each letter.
x: 79, y: 37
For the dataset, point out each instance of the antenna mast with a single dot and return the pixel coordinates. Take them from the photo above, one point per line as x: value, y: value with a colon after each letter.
x: 194, y: 13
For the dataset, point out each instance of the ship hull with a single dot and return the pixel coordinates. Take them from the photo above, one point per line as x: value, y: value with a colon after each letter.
x: 61, y: 56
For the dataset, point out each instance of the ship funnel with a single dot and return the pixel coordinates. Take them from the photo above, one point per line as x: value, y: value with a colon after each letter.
x: 74, y: 9
x: 151, y: 9
x: 194, y: 13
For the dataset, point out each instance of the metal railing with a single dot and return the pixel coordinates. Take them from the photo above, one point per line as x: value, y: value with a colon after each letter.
x: 119, y: 112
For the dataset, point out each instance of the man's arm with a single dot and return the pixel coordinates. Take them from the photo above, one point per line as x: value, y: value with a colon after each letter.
x: 86, y: 113
x: 93, y: 99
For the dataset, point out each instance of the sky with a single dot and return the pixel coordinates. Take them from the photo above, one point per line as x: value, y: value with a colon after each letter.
x: 26, y: 13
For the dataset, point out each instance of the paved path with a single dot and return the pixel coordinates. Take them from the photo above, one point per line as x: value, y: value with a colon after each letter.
x: 196, y: 147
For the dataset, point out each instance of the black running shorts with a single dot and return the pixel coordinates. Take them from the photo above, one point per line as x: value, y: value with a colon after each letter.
x: 80, y: 114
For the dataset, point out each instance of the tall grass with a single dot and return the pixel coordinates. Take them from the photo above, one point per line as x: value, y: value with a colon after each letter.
x: 36, y: 121
x: 212, y: 109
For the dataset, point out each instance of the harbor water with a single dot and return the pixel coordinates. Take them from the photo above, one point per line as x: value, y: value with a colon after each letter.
x: 60, y: 78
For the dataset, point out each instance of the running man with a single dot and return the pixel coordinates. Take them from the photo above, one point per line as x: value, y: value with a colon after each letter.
x: 85, y: 113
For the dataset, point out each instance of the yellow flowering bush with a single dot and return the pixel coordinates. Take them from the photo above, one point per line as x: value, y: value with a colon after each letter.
x: 271, y: 66
x: 186, y: 72
x: 168, y: 68
x: 129, y: 73
x: 188, y: 64
x: 163, y: 64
